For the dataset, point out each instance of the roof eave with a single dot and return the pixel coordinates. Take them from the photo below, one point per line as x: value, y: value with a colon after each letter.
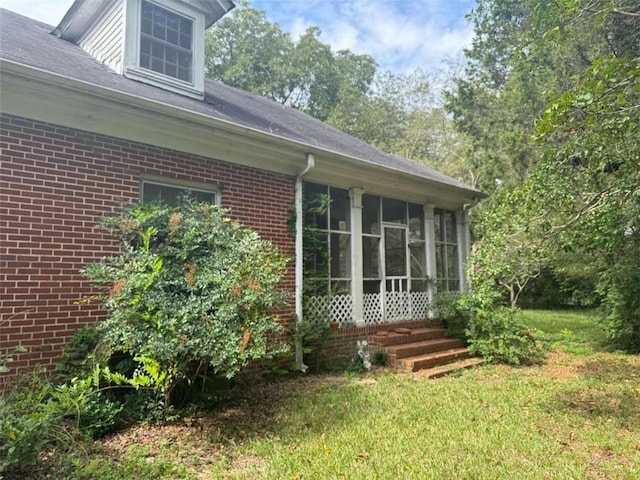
x: 350, y: 163
x: 83, y: 13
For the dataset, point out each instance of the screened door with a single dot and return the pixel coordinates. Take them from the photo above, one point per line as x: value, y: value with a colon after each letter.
x: 397, y: 300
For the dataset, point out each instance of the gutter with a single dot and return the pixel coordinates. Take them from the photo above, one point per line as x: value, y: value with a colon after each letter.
x: 311, y: 162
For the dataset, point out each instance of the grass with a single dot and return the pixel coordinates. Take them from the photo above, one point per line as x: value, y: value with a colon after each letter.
x: 575, y: 417
x: 571, y: 331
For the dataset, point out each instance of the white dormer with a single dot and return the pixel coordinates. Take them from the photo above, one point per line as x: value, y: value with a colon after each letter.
x: 160, y: 42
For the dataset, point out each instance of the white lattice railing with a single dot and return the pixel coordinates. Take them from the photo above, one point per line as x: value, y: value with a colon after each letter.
x: 419, y: 304
x: 398, y: 306
x: 338, y: 308
x: 372, y: 308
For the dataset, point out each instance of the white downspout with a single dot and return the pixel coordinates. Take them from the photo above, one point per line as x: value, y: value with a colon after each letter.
x: 299, y: 258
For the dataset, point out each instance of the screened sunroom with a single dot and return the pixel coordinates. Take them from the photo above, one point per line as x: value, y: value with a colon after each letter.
x: 373, y: 259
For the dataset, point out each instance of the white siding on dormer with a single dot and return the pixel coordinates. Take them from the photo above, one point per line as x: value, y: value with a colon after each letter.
x: 105, y: 39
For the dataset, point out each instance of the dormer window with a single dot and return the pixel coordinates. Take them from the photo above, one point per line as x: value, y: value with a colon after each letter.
x: 166, y: 42
x: 159, y: 42
x: 164, y: 45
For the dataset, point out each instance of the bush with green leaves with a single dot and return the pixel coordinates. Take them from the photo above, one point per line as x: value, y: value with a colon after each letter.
x: 495, y: 332
x: 500, y: 335
x: 190, y: 290
x: 455, y: 310
x: 25, y: 424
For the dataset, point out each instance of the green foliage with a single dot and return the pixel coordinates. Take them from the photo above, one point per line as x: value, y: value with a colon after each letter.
x: 83, y: 401
x: 191, y: 292
x: 554, y: 88
x: 509, y: 252
x: 247, y: 51
x: 501, y: 335
x: 77, y: 358
x: 312, y: 333
x: 454, y: 309
x: 398, y: 113
x: 37, y: 415
x: 497, y: 333
x: 6, y: 357
x: 25, y: 424
x: 621, y: 304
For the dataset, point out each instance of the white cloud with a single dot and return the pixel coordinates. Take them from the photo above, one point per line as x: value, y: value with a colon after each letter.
x: 401, y: 35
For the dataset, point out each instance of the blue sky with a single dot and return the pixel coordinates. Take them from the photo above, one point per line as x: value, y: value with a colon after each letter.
x: 401, y: 35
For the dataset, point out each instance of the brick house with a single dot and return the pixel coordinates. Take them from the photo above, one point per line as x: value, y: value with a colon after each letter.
x: 112, y: 106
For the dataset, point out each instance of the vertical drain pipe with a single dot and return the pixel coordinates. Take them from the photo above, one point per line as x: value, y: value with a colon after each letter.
x: 311, y: 161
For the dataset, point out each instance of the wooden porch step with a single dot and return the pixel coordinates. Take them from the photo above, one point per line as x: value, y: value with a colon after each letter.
x: 429, y: 360
x: 404, y: 350
x: 391, y: 337
x: 443, y: 370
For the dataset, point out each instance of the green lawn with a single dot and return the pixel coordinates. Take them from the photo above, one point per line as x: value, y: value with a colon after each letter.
x: 575, y: 417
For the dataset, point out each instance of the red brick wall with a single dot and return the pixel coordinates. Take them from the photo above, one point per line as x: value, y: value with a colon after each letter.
x: 54, y: 184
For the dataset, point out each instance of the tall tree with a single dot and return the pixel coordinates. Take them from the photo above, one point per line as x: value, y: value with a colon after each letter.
x: 580, y: 195
x: 247, y: 51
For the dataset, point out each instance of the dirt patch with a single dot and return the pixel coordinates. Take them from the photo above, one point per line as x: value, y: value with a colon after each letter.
x: 561, y: 366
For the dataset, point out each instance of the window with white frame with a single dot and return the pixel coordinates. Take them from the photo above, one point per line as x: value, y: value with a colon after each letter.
x: 446, y: 250
x: 166, y: 42
x: 171, y: 193
x: 327, y: 262
x: 375, y: 211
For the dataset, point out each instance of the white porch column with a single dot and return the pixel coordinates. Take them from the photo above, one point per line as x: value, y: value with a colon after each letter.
x: 430, y: 241
x: 357, y: 293
x: 464, y: 246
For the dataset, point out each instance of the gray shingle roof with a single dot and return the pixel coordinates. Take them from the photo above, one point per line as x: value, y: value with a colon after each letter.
x: 29, y: 42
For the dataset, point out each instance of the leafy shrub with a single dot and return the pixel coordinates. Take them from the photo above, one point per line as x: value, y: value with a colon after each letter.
x: 500, y: 335
x: 190, y: 290
x: 77, y: 356
x: 621, y: 305
x: 454, y: 309
x: 84, y: 402
x: 495, y: 332
x: 25, y: 425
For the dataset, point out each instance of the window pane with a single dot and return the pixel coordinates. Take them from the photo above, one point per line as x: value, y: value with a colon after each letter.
x: 185, y: 41
x: 340, y: 209
x: 440, y: 254
x: 450, y: 227
x: 418, y: 267
x: 437, y: 224
x: 170, y: 195
x: 452, y: 262
x: 371, y: 214
x: 416, y: 222
x: 316, y: 286
x: 315, y: 200
x: 316, y: 254
x: 371, y: 257
x: 394, y: 211
x: 371, y: 286
x: 166, y: 37
x: 341, y: 287
x: 419, y: 285
x: 340, y: 255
